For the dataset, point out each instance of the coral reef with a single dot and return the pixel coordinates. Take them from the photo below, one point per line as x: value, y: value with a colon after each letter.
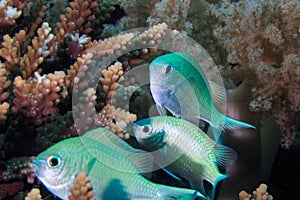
x: 252, y: 41
x: 259, y: 194
x: 34, y: 194
x: 44, y: 62
x: 50, y: 49
x: 82, y: 188
x: 262, y: 40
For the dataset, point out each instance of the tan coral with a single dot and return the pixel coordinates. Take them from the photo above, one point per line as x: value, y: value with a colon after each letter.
x: 78, y: 17
x: 34, y: 194
x: 110, y: 80
x: 4, y: 84
x: 259, y: 194
x: 38, y: 96
x: 84, y: 111
x: 82, y: 188
x: 10, y: 51
x: 115, y: 119
x: 110, y: 46
x: 78, y: 70
x: 37, y: 22
x: 8, y: 14
x: 37, y: 52
x: 118, y: 44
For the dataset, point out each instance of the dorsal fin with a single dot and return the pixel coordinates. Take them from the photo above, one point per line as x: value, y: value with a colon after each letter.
x: 141, y: 159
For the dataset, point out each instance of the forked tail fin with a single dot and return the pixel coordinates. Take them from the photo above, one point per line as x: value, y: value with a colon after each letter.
x: 168, y: 192
x: 220, y: 178
x: 231, y: 123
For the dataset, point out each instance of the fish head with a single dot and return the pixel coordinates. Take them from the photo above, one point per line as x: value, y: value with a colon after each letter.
x: 168, y: 71
x: 56, y: 168
x: 172, y: 68
x: 149, y: 134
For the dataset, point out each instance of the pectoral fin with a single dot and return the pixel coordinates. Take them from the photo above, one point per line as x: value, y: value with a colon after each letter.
x: 161, y: 110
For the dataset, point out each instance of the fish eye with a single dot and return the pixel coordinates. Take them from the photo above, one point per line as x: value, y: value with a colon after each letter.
x: 168, y: 68
x: 54, y: 161
x: 146, y: 129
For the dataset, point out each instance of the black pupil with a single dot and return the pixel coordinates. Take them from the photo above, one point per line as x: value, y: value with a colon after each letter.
x: 145, y: 129
x: 53, y: 162
x: 168, y: 69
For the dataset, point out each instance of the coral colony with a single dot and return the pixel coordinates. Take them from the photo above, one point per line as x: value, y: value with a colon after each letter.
x: 47, y: 47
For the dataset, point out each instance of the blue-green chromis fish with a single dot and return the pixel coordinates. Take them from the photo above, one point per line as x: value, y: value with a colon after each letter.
x: 197, y: 156
x: 178, y: 84
x: 112, y: 166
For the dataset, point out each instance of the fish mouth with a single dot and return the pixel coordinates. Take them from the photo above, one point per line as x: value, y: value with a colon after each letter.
x: 37, y: 167
x: 135, y: 129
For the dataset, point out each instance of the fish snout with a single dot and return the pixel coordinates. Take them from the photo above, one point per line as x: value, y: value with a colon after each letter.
x: 135, y: 128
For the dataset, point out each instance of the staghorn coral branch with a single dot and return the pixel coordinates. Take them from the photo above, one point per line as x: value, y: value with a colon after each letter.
x: 82, y: 188
x: 116, y: 45
x: 78, y: 17
x: 37, y: 22
x: 20, y: 4
x: 84, y: 111
x: 4, y: 84
x: 8, y: 14
x: 115, y: 119
x: 77, y: 69
x: 37, y: 52
x: 259, y: 194
x: 34, y: 194
x: 110, y: 79
x: 38, y: 96
x: 10, y: 50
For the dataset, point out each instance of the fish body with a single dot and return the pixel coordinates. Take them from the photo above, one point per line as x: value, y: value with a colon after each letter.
x: 184, y: 150
x: 112, y: 166
x: 178, y: 84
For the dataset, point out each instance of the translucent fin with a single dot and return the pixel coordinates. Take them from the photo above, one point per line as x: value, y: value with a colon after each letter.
x: 232, y: 123
x: 168, y: 192
x: 225, y: 155
x: 218, y: 93
x: 217, y: 134
x: 161, y: 110
x: 187, y: 99
x: 141, y: 159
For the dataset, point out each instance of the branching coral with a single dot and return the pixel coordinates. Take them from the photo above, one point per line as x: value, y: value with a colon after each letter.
x: 34, y: 194
x: 78, y: 17
x: 259, y: 194
x: 116, y: 120
x: 262, y: 38
x: 4, y: 84
x: 110, y: 80
x: 18, y: 168
x: 82, y: 188
x: 38, y: 97
x: 9, y: 13
x: 35, y: 54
